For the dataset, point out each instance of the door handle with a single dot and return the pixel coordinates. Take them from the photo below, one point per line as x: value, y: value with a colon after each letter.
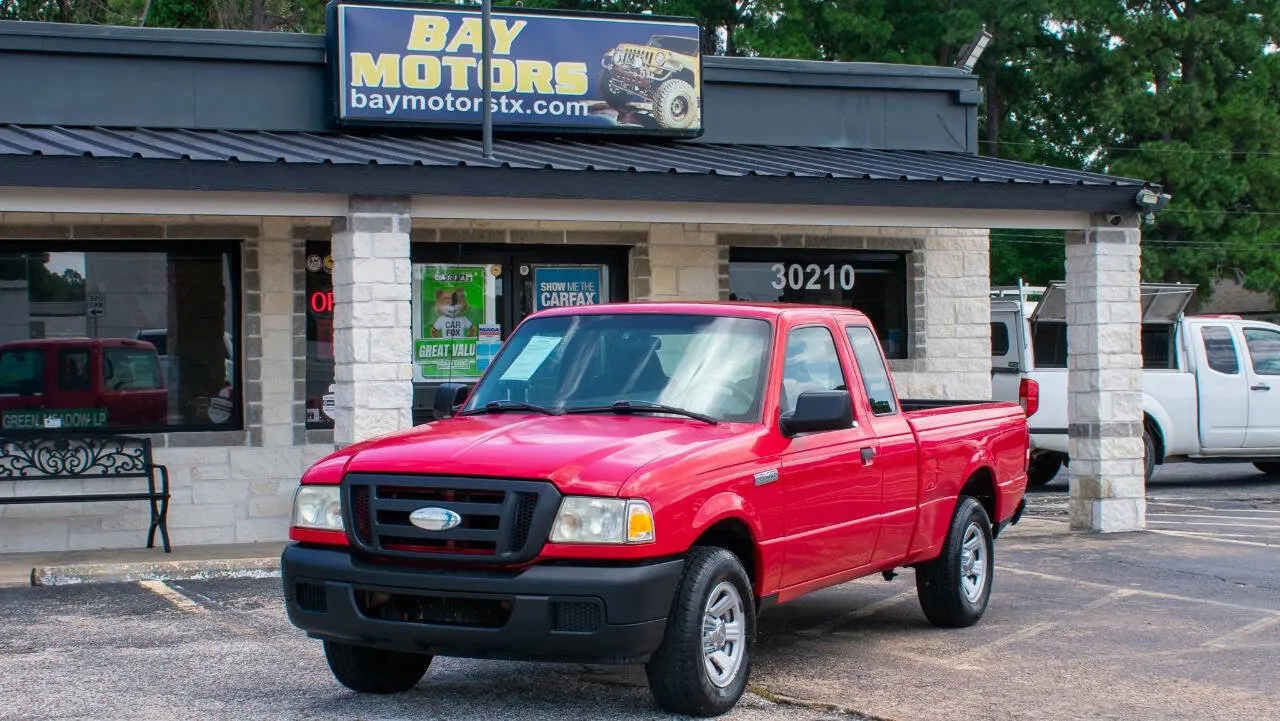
x: 868, y: 455
x: 1260, y: 387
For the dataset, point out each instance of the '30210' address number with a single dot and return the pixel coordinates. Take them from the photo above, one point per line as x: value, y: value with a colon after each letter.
x: 797, y: 276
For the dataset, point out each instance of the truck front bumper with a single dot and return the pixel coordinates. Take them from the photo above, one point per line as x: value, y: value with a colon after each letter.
x: 581, y: 613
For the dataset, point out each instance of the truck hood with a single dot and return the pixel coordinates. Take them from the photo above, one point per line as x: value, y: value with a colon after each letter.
x: 580, y: 454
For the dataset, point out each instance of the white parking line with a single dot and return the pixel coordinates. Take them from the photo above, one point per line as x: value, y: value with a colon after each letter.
x: 1233, y: 638
x: 1211, y: 523
x: 179, y: 601
x: 1275, y: 521
x: 1215, y: 538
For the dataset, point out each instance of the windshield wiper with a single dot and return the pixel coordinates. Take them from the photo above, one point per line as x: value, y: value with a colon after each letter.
x: 625, y: 407
x: 504, y: 406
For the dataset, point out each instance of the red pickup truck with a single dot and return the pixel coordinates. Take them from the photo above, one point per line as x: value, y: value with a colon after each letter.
x: 634, y: 483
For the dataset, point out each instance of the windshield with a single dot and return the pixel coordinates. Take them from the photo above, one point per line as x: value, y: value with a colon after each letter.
x: 706, y: 364
x: 686, y: 46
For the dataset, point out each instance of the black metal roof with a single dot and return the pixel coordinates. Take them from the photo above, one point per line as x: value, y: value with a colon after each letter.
x: 410, y: 164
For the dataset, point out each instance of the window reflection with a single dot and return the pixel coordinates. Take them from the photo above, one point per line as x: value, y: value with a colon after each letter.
x: 117, y: 339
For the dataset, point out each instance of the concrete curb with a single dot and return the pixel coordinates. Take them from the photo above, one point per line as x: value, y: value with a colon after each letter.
x: 156, y: 571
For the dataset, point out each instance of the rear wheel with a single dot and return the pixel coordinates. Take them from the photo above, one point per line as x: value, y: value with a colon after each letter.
x: 954, y: 587
x: 1271, y: 469
x: 373, y: 670
x: 1043, y: 469
x: 701, y: 668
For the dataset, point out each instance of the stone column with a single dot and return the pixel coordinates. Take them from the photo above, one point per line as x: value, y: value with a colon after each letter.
x: 1104, y: 379
x: 372, y: 328
x: 684, y: 264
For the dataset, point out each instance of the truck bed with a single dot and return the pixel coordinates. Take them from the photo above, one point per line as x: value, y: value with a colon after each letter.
x: 921, y: 404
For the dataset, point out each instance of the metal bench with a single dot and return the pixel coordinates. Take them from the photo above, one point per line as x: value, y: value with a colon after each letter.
x: 87, y: 456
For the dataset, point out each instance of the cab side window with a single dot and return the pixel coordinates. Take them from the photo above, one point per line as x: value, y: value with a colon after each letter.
x: 1264, y: 350
x: 812, y: 364
x: 1220, y: 349
x: 73, y: 370
x: 875, y: 377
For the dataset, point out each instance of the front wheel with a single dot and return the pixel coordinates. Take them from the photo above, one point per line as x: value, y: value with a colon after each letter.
x: 373, y: 670
x: 954, y: 587
x: 615, y: 99
x: 675, y: 105
x: 701, y: 668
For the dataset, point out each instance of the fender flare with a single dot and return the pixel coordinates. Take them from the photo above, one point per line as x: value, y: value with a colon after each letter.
x: 721, y: 506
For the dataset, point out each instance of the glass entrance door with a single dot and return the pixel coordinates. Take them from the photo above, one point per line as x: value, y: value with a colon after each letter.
x: 467, y: 299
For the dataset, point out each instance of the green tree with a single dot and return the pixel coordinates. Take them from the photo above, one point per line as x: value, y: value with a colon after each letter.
x: 1185, y: 94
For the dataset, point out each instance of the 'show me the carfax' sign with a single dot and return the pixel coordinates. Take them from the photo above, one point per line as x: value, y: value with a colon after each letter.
x: 422, y: 65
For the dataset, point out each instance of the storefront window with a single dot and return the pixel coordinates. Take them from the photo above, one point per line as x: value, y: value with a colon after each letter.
x: 455, y: 320
x: 319, y: 264
x: 874, y: 283
x: 119, y: 338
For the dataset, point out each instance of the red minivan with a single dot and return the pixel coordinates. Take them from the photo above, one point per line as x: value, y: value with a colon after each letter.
x: 81, y: 383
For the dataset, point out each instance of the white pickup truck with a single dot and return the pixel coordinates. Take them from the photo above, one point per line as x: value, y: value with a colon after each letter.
x: 1210, y: 384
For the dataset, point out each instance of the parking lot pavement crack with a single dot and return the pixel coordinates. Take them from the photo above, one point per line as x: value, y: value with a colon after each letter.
x: 830, y: 708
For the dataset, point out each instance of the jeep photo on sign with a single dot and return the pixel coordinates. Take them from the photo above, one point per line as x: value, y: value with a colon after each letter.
x: 421, y: 65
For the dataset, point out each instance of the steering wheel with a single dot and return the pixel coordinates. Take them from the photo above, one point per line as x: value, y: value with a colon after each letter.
x: 737, y: 394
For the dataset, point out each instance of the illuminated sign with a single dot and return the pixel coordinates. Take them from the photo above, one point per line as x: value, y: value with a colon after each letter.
x: 322, y: 301
x: 422, y: 65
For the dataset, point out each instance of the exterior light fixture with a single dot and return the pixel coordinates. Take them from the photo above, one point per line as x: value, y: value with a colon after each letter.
x: 969, y: 55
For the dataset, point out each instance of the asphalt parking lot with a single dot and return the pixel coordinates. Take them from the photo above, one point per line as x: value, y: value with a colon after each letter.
x: 1181, y: 622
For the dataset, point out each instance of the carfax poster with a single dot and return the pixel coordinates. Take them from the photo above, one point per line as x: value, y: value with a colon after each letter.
x: 423, y: 65
x: 453, y: 307
x: 565, y: 287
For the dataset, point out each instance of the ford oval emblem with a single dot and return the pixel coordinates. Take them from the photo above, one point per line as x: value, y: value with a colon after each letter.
x: 435, y: 519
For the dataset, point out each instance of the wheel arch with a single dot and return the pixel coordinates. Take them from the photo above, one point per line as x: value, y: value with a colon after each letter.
x: 1152, y: 424
x: 981, y: 485
x: 734, y: 533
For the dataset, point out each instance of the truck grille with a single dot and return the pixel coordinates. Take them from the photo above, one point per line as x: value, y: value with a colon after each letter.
x: 501, y: 521
x: 629, y: 57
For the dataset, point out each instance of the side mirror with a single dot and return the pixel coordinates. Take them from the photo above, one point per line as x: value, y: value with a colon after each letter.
x: 449, y: 396
x: 819, y: 411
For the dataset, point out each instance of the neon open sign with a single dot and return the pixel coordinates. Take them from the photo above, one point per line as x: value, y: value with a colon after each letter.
x: 322, y: 301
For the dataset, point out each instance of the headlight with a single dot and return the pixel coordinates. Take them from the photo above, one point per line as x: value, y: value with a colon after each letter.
x: 603, y: 520
x: 317, y: 507
x: 660, y: 59
x: 619, y: 57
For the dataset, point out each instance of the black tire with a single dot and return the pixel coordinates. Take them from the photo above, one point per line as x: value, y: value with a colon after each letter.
x: 1271, y: 469
x: 373, y: 670
x: 1148, y: 455
x: 675, y: 105
x: 1043, y: 469
x: 678, y: 677
x: 942, y: 593
x: 615, y: 100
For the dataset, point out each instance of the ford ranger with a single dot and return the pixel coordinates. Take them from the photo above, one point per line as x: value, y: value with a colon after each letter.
x: 635, y: 483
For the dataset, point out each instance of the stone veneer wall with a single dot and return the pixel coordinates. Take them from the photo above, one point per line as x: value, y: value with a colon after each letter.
x: 236, y: 486
x: 227, y: 486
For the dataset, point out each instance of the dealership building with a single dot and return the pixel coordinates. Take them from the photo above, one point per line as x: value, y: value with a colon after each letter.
x: 309, y: 231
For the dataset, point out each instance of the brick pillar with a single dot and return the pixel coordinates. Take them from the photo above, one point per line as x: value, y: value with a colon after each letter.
x: 1104, y: 380
x: 684, y: 264
x: 954, y: 292
x: 276, y: 342
x: 372, y: 325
